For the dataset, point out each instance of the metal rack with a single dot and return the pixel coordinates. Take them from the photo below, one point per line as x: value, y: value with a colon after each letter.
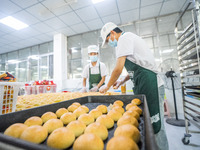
x: 188, y: 42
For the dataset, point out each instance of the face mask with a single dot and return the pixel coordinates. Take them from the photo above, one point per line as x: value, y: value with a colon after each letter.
x: 112, y: 43
x: 93, y: 58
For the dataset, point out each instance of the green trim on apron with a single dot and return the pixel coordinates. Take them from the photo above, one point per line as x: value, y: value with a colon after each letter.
x: 94, y: 79
x: 145, y: 82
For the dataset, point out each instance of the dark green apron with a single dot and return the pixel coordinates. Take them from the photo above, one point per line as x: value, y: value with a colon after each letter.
x: 145, y: 82
x: 94, y: 78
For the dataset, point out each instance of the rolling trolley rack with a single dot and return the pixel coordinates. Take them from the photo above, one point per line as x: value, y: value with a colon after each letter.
x: 188, y: 46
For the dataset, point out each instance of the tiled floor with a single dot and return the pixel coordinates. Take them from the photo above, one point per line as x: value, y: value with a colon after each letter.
x: 175, y: 135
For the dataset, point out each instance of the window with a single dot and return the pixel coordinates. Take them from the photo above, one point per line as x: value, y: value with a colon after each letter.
x: 44, y: 48
x: 22, y: 71
x: 29, y: 64
x: 43, y: 68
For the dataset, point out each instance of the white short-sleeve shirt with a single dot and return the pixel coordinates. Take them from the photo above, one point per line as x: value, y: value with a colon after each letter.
x: 95, y: 69
x: 136, y: 50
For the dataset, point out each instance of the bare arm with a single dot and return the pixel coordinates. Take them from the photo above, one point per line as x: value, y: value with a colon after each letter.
x: 101, y: 82
x: 84, y: 82
x: 125, y: 79
x: 117, y: 71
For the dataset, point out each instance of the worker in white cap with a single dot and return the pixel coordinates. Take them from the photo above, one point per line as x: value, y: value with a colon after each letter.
x: 95, y: 71
x: 133, y: 53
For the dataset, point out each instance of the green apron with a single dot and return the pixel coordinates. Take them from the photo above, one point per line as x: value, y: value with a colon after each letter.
x: 145, y: 82
x: 94, y: 78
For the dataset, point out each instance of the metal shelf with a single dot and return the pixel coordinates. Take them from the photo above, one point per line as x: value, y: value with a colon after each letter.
x: 191, y: 32
x: 191, y: 68
x: 182, y: 52
x: 192, y: 76
x: 187, y: 42
x: 187, y: 28
x: 187, y: 63
x: 189, y: 52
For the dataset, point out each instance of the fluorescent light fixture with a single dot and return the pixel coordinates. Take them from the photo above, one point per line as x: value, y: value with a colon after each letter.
x: 21, y: 69
x: 13, y: 23
x: 167, y: 51
x: 74, y: 49
x: 88, y: 60
x: 97, y: 1
x: 79, y: 69
x: 44, y: 67
x: 13, y: 61
x: 157, y: 59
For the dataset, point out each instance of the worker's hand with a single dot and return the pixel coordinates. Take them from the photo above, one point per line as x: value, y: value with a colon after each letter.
x: 117, y: 84
x: 94, y: 89
x: 103, y: 89
x: 83, y: 90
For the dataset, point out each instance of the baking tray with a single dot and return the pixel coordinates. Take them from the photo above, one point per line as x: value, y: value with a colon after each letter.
x: 147, y: 141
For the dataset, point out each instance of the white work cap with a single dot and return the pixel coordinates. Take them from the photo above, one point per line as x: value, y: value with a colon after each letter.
x: 93, y: 48
x: 106, y: 29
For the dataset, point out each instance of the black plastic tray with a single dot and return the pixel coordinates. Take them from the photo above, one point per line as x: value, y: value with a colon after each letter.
x: 147, y: 141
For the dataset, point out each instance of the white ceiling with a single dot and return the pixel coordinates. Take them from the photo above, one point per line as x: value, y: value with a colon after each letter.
x: 48, y: 17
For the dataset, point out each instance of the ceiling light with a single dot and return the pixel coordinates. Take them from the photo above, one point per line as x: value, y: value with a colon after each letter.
x: 97, y: 1
x: 43, y: 67
x: 88, y: 60
x: 80, y: 69
x: 157, y: 59
x: 74, y: 49
x: 13, y: 23
x: 167, y: 51
x: 13, y: 61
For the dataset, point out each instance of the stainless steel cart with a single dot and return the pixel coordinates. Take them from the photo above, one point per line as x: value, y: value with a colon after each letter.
x: 188, y: 46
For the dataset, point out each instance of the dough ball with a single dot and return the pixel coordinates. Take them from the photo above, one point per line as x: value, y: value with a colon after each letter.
x: 15, y: 130
x: 128, y: 106
x: 86, y: 118
x: 119, y: 103
x: 98, y: 129
x: 61, y: 111
x: 61, y: 138
x: 48, y: 115
x: 129, y: 131
x: 33, y: 121
x: 35, y: 134
x: 67, y: 118
x: 88, y: 141
x: 102, y: 108
x: 121, y: 143
x: 53, y: 124
x: 85, y: 108
x: 132, y: 113
x: 77, y: 104
x: 79, y: 112
x: 137, y: 109
x: 77, y: 127
x: 136, y: 101
x: 72, y: 108
x: 95, y: 113
x: 127, y: 120
x: 119, y: 109
x: 106, y: 120
x: 115, y: 115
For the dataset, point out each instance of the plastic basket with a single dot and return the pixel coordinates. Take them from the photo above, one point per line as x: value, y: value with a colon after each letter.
x: 8, y: 96
x: 37, y: 89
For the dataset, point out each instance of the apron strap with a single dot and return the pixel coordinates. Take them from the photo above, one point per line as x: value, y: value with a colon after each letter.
x: 99, y: 69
